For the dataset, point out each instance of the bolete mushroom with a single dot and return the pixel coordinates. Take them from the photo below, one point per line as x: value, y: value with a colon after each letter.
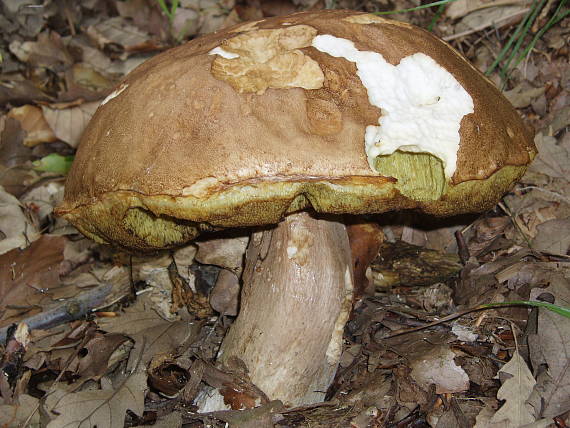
x: 329, y: 112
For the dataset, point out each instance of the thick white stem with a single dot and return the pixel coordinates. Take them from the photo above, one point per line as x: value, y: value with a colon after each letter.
x: 296, y: 299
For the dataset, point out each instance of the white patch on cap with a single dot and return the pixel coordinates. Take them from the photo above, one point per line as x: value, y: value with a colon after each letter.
x: 115, y: 93
x: 291, y: 251
x: 422, y: 103
x: 223, y: 53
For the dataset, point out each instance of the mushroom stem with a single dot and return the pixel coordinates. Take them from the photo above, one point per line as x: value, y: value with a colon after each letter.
x: 296, y: 299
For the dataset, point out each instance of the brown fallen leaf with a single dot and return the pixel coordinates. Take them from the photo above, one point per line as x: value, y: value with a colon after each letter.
x: 166, y: 376
x: 22, y: 91
x: 102, y: 408
x: 550, y: 348
x: 12, y: 151
x: 521, y: 96
x: 91, y: 56
x: 227, y: 253
x: 365, y: 240
x: 553, y: 237
x: 94, y: 359
x: 553, y: 159
x: 224, y: 297
x: 14, y: 415
x: 48, y: 51
x: 182, y: 295
x: 486, y: 231
x: 491, y: 17
x: 151, y: 333
x: 17, y: 229
x: 88, y: 77
x: 517, y: 385
x: 186, y: 23
x: 461, y: 8
x: 145, y: 15
x: 118, y: 34
x: 33, y: 123
x: 68, y: 123
x: 42, y: 199
x: 172, y: 420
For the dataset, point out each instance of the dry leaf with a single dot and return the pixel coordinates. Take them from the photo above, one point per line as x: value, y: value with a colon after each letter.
x: 553, y: 237
x: 91, y: 79
x: 33, y: 123
x: 29, y: 279
x: 119, y: 33
x: 49, y: 52
x: 102, y: 408
x: 490, y: 17
x: 185, y: 23
x: 517, y: 385
x: 438, y: 367
x: 521, y: 97
x: 16, y: 414
x: 552, y: 348
x: 227, y: 253
x: 552, y: 159
x: 16, y: 229
x: 90, y: 56
x: 42, y: 199
x: 95, y: 358
x: 68, y: 124
x: 154, y: 271
x: 147, y: 329
x: 224, y: 297
x: 213, y: 16
x: 172, y: 420
x: 461, y: 8
x: 21, y: 91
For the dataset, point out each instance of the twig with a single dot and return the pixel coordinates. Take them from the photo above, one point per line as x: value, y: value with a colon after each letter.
x: 482, y: 27
x: 556, y: 196
x: 70, y: 310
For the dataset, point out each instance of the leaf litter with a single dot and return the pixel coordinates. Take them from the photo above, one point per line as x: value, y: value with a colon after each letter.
x: 142, y: 355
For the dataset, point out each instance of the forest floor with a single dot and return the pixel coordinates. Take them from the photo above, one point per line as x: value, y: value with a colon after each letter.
x: 500, y: 367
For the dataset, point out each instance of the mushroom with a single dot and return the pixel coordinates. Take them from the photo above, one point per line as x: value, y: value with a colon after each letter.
x: 282, y: 125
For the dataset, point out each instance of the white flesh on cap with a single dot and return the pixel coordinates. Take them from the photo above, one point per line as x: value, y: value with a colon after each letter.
x: 422, y: 103
x: 115, y: 93
x: 223, y: 53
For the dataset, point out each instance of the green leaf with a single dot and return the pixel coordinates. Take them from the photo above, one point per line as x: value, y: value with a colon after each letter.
x: 54, y: 163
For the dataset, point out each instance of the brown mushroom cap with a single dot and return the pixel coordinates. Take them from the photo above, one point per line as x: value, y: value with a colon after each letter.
x: 193, y: 141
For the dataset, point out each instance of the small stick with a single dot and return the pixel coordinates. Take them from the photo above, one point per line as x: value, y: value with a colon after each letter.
x: 71, y: 310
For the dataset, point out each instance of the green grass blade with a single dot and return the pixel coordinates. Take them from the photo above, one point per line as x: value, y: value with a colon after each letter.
x: 514, y: 37
x: 436, y: 17
x: 554, y: 19
x: 560, y: 310
x: 164, y: 7
x: 520, y: 41
x: 173, y: 9
x: 413, y: 9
